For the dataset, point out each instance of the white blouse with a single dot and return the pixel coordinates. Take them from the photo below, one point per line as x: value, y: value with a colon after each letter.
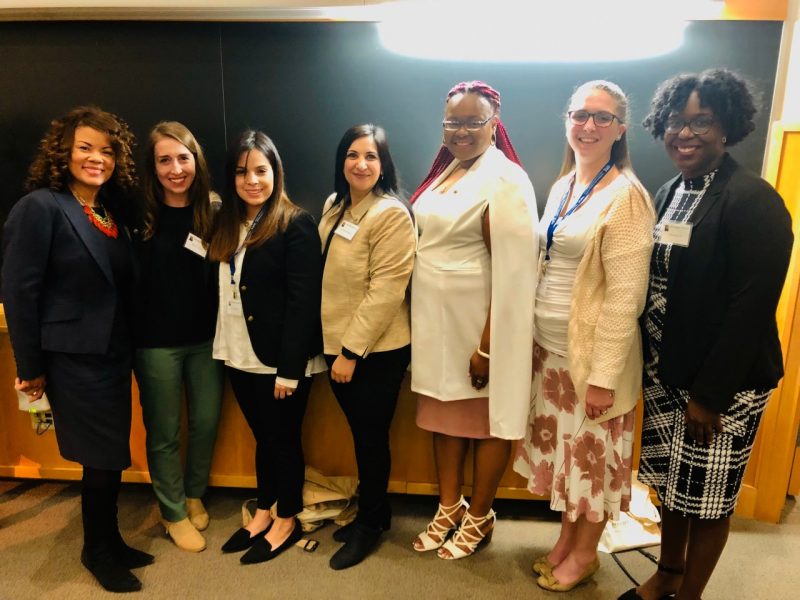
x: 232, y: 340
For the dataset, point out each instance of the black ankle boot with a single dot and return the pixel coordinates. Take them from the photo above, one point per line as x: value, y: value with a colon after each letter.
x: 360, y: 543
x: 108, y: 572
x: 379, y: 518
x: 98, y: 553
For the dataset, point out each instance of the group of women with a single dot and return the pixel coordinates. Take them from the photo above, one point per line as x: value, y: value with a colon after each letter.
x: 606, y: 289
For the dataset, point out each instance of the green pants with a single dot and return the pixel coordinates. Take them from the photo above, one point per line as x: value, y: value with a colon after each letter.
x: 160, y: 373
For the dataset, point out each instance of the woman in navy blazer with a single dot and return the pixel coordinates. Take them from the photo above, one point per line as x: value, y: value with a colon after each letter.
x: 268, y: 332
x: 711, y: 350
x: 67, y: 281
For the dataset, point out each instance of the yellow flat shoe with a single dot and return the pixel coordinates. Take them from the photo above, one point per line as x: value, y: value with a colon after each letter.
x: 548, y: 581
x: 542, y: 565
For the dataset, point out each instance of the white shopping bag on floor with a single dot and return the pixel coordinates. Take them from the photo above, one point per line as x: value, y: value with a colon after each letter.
x: 636, y: 528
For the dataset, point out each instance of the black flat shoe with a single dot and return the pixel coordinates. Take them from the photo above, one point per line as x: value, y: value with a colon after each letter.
x: 242, y: 540
x: 631, y: 594
x: 262, y: 551
x: 111, y: 575
x: 361, y: 541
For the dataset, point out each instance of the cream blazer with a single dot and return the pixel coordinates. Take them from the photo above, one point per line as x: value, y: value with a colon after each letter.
x: 455, y: 279
x: 365, y: 279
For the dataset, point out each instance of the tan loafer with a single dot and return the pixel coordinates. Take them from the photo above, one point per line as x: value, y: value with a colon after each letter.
x: 185, y: 536
x: 197, y: 513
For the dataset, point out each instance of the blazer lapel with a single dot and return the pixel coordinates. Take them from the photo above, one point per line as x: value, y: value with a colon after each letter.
x: 74, y: 213
x: 714, y: 192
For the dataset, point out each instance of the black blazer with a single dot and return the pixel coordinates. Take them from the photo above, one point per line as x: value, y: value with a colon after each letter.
x: 280, y: 288
x: 720, y: 336
x: 58, y: 288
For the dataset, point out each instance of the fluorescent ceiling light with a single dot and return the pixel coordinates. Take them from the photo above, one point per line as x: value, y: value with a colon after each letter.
x: 527, y: 31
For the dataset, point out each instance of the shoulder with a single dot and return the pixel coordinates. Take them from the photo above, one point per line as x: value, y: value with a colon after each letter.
x: 750, y: 199
x: 389, y: 204
x: 511, y: 173
x: 37, y: 202
x: 302, y: 220
x: 328, y: 203
x: 743, y: 183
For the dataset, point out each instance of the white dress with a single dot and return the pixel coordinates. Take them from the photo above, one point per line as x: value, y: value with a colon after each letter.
x: 455, y: 277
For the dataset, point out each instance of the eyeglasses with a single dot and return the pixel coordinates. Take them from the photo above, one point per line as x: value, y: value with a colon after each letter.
x: 455, y: 124
x: 600, y: 118
x: 699, y: 125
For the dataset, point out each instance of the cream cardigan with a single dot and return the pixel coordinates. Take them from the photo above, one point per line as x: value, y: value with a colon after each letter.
x: 603, y: 339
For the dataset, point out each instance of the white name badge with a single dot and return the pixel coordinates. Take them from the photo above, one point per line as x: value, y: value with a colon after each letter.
x: 195, y: 244
x: 347, y: 230
x: 234, y: 307
x: 677, y: 234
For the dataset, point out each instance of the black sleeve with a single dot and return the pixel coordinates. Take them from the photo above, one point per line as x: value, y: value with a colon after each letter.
x: 757, y: 238
x: 303, y: 291
x: 27, y: 236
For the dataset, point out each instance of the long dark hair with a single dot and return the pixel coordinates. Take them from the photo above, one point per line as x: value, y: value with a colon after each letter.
x: 279, y: 212
x: 203, y: 214
x: 387, y: 182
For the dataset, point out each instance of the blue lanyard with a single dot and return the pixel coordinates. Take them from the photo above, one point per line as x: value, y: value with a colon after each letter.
x: 232, y: 260
x: 557, y: 218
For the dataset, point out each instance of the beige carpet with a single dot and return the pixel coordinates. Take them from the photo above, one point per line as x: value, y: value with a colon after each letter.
x: 40, y: 542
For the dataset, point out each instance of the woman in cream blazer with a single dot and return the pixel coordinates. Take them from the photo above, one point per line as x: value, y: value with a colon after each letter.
x: 369, y: 242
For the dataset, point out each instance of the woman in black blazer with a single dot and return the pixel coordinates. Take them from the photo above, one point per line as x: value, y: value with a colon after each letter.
x: 711, y: 349
x: 268, y: 332
x: 67, y: 280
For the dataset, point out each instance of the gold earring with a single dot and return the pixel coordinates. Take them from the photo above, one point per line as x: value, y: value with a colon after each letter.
x: 494, y: 139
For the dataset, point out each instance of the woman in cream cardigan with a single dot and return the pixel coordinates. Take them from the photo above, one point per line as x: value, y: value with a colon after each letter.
x: 595, y: 242
x: 368, y: 254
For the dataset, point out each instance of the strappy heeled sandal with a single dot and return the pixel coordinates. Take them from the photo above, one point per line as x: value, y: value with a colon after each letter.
x: 435, y: 534
x: 469, y: 536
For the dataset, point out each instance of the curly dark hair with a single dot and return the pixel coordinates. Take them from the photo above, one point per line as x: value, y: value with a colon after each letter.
x: 728, y: 94
x: 50, y: 168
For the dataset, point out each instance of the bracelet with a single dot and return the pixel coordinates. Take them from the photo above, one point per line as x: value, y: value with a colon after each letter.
x: 482, y: 353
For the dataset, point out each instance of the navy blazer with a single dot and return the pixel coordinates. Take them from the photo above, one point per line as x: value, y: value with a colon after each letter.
x: 720, y: 336
x: 280, y: 288
x: 58, y: 288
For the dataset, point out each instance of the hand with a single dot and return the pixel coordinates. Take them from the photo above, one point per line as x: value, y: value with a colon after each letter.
x: 33, y: 387
x: 342, y: 369
x: 702, y: 423
x: 478, y: 370
x: 598, y: 401
x: 282, y: 391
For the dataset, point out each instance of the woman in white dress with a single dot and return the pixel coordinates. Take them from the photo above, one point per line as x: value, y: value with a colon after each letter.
x: 472, y: 297
x: 595, y: 242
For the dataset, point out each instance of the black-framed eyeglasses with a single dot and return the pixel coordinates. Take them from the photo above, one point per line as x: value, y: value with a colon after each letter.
x: 471, y: 125
x: 601, y: 118
x: 698, y: 125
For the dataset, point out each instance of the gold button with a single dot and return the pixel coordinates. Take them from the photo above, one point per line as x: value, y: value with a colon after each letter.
x: 250, y: 318
x: 243, y: 288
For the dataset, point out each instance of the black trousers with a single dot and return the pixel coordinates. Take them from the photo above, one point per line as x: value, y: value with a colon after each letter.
x: 277, y: 427
x: 368, y: 402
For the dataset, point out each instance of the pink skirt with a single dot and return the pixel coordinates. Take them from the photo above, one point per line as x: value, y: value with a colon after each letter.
x: 467, y: 418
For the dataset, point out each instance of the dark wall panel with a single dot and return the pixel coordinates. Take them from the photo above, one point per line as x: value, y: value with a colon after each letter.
x: 305, y: 83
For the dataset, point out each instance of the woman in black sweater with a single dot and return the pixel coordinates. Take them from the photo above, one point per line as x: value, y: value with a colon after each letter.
x: 177, y: 310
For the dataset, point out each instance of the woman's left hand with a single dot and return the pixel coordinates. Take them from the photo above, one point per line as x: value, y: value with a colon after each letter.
x: 478, y: 370
x: 342, y: 369
x: 281, y: 391
x: 598, y: 401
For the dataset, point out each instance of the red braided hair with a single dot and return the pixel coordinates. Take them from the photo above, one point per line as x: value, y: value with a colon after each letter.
x: 444, y: 156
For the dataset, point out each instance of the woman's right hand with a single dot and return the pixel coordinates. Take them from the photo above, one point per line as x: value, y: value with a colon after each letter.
x: 34, y: 388
x: 478, y: 370
x: 342, y: 369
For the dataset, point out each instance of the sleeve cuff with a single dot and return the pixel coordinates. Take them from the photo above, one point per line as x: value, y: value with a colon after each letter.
x: 289, y: 383
x: 349, y: 354
x: 608, y: 382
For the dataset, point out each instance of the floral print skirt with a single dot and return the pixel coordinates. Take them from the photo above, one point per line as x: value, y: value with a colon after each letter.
x: 583, y: 466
